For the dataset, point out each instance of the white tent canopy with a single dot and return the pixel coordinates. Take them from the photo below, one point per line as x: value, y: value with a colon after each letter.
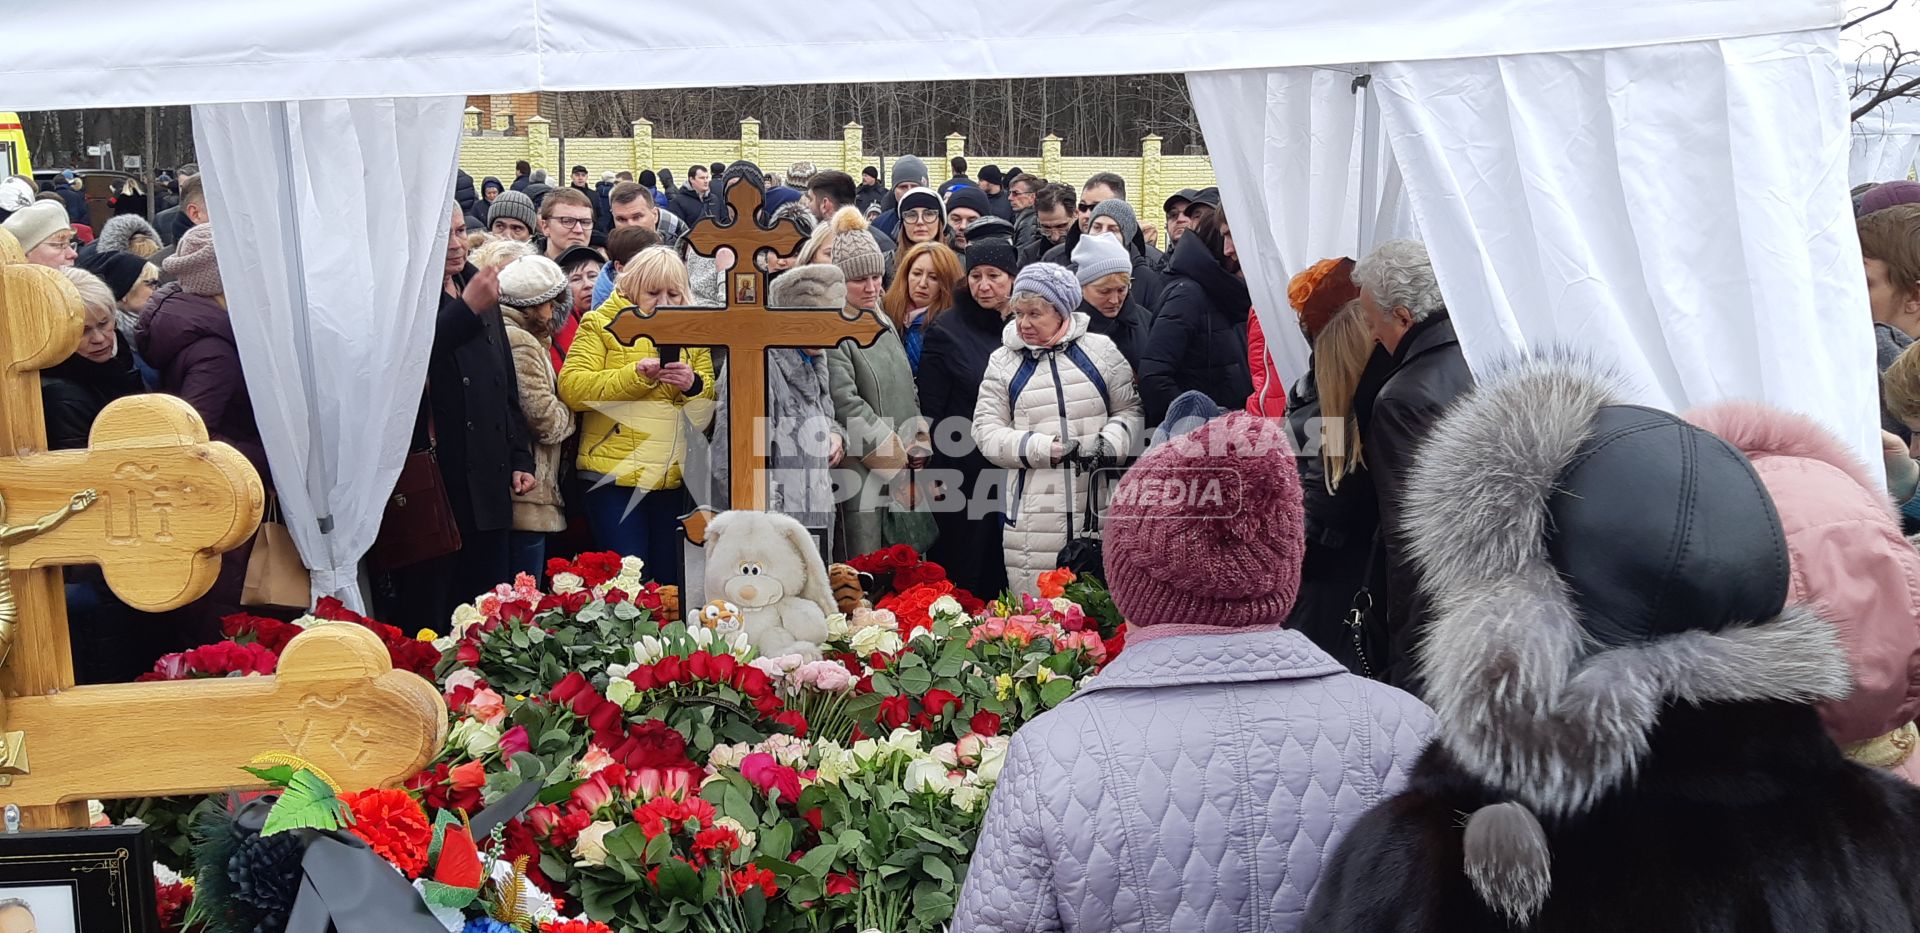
x: 1658, y: 183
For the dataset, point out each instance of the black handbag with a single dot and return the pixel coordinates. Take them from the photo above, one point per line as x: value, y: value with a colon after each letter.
x: 418, y: 525
x: 1084, y: 553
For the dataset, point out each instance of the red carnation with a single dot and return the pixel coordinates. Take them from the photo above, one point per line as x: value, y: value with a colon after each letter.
x: 598, y: 567
x: 753, y: 876
x: 393, y: 825
x: 559, y: 565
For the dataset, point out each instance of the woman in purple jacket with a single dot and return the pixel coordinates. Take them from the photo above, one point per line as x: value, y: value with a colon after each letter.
x: 1200, y: 780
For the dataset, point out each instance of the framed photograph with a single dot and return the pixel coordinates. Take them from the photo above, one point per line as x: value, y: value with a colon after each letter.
x: 745, y: 290
x: 77, y: 881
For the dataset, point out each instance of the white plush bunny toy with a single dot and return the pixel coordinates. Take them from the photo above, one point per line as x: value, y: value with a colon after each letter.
x: 765, y: 563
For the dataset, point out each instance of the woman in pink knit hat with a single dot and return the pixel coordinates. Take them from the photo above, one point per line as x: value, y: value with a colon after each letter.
x: 1200, y: 780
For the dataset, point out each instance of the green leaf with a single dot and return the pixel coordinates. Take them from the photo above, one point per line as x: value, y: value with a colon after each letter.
x: 446, y: 895
x: 559, y: 792
x: 307, y: 803
x: 933, y: 904
x: 916, y: 681
x: 626, y: 844
x: 677, y: 879
x: 819, y: 861
x: 937, y: 839
x: 936, y: 868
x: 659, y: 848
x: 777, y: 842
x: 278, y: 775
x: 753, y: 909
x: 1056, y: 691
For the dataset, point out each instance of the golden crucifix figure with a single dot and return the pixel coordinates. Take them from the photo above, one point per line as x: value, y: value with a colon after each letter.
x: 12, y: 534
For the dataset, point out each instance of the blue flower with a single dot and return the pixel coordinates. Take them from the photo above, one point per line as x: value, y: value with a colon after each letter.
x: 487, y: 925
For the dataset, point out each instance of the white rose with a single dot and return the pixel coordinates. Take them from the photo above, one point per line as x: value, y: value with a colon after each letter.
x: 945, y: 606
x: 163, y: 874
x: 620, y: 690
x: 478, y: 738
x: 728, y: 756
x: 945, y: 754
x: 565, y: 583
x: 876, y: 638
x: 591, y: 846
x: 905, y: 740
x: 837, y: 625
x: 866, y: 750
x: 1061, y: 604
x: 619, y: 671
x: 836, y: 763
x: 466, y: 617
x: 928, y: 776
x: 747, y: 837
x: 968, y: 799
x: 632, y: 565
x: 993, y: 757
x: 465, y: 677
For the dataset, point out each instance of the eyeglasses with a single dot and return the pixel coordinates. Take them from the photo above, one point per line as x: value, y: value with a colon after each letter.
x: 572, y: 223
x: 921, y: 216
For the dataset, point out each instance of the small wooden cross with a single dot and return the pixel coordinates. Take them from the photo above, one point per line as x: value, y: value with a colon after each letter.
x: 747, y: 329
x: 155, y: 503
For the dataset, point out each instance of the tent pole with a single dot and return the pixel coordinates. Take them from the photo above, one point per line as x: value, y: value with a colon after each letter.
x: 146, y: 166
x: 1369, y: 163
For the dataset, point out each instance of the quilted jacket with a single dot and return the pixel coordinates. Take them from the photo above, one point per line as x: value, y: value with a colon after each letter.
x: 1080, y: 389
x: 631, y: 428
x: 1196, y: 784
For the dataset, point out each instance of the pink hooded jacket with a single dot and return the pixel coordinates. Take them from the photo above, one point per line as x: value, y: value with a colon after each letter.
x: 1849, y: 561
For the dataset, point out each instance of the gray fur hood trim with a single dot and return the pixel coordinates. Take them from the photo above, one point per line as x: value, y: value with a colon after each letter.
x: 1526, y: 700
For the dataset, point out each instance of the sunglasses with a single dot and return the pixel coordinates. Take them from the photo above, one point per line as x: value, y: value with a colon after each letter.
x: 1086, y: 207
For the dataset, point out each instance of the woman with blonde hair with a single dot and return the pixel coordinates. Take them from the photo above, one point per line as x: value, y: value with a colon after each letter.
x: 922, y: 290
x: 633, y: 401
x: 1327, y: 412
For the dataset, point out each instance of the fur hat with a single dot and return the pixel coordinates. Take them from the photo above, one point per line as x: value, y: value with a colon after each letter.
x: 118, y: 233
x: 531, y: 280
x: 909, y: 168
x: 194, y: 264
x: 1206, y: 532
x: 36, y: 222
x: 1052, y: 282
x: 1122, y: 214
x: 1099, y: 255
x: 1591, y: 564
x: 515, y: 206
x: 856, y: 252
x: 815, y: 286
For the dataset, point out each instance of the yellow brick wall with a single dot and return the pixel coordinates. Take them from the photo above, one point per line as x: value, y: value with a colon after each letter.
x: 678, y: 154
x: 600, y: 155
x: 778, y: 155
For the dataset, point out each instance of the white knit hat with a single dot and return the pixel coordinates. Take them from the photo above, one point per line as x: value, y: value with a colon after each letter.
x: 531, y: 280
x: 33, y: 224
x: 1099, y: 255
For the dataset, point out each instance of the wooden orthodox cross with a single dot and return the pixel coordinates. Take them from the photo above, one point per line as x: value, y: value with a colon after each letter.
x: 747, y: 329
x: 154, y: 503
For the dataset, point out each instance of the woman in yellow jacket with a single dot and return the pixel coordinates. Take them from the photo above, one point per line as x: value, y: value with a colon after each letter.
x: 635, y: 408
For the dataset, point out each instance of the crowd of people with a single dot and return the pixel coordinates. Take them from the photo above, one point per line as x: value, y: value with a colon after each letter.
x: 1604, y: 635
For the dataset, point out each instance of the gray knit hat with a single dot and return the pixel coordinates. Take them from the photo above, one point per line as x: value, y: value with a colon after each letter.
x: 194, y: 264
x: 857, y: 255
x: 513, y: 204
x: 815, y: 286
x: 1122, y: 214
x: 1099, y: 255
x: 1051, y: 282
x: 909, y: 168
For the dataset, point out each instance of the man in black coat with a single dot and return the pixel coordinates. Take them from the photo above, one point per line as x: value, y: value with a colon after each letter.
x: 1199, y: 334
x: 471, y: 417
x: 1402, y: 301
x: 1625, y: 733
x: 690, y: 202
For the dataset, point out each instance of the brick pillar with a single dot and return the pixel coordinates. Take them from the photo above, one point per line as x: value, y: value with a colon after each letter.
x: 502, y: 122
x: 852, y: 142
x: 1153, y: 187
x: 539, y: 136
x: 470, y: 121
x: 956, y: 148
x: 1050, y: 158
x: 750, y: 140
x: 642, y: 145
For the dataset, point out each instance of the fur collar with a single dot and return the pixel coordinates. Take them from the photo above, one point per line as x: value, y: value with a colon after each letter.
x: 1526, y: 700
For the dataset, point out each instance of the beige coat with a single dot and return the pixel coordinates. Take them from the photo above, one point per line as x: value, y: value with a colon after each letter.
x: 549, y: 418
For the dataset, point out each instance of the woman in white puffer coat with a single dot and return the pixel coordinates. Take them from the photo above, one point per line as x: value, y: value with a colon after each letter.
x: 1053, y: 393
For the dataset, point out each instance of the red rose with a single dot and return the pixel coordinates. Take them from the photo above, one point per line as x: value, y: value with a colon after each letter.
x: 606, y: 717
x: 514, y: 741
x: 814, y: 819
x: 616, y: 596
x: 468, y: 654
x: 585, y: 702
x: 894, y: 712
x: 333, y: 610
x: 723, y: 667
x: 669, y: 670
x: 569, y: 687
x: 700, y: 665
x: 767, y: 704
x: 763, y: 771
x: 642, y: 679
x: 657, y: 745
x: 751, y: 681
x: 793, y: 720
x: 983, y: 722
x: 936, y: 701
x: 841, y: 884
x: 515, y: 613
x: 469, y: 776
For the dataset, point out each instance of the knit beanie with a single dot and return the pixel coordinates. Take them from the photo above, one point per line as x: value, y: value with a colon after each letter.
x: 1052, y: 282
x: 909, y: 168
x: 121, y: 271
x: 193, y: 263
x: 991, y: 175
x: 993, y: 251
x: 918, y: 198
x: 531, y: 280
x: 1888, y: 195
x: 1206, y: 532
x: 1099, y: 255
x: 857, y: 255
x: 815, y: 286
x: 36, y: 222
x: 1122, y: 214
x: 515, y: 206
x: 969, y: 197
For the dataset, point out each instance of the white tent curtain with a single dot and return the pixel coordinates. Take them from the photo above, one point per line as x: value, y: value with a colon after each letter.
x: 1885, y: 142
x: 330, y: 220
x: 1695, y: 232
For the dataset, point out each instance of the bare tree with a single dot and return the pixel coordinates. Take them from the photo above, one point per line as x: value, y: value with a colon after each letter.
x: 1886, y: 68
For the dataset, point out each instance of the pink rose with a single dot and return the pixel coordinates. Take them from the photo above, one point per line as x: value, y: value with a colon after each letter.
x: 488, y: 707
x: 825, y: 676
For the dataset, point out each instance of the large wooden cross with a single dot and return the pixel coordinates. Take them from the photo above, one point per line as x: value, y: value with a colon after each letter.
x: 154, y: 503
x: 747, y: 328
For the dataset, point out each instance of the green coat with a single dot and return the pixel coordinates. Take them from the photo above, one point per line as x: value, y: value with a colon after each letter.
x: 875, y: 400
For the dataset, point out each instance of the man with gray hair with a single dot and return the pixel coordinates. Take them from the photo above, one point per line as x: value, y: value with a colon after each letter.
x: 1403, y: 305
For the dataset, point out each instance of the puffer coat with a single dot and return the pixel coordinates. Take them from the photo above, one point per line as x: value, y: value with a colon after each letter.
x: 1199, y: 783
x: 1080, y: 390
x: 551, y: 422
x: 633, y: 428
